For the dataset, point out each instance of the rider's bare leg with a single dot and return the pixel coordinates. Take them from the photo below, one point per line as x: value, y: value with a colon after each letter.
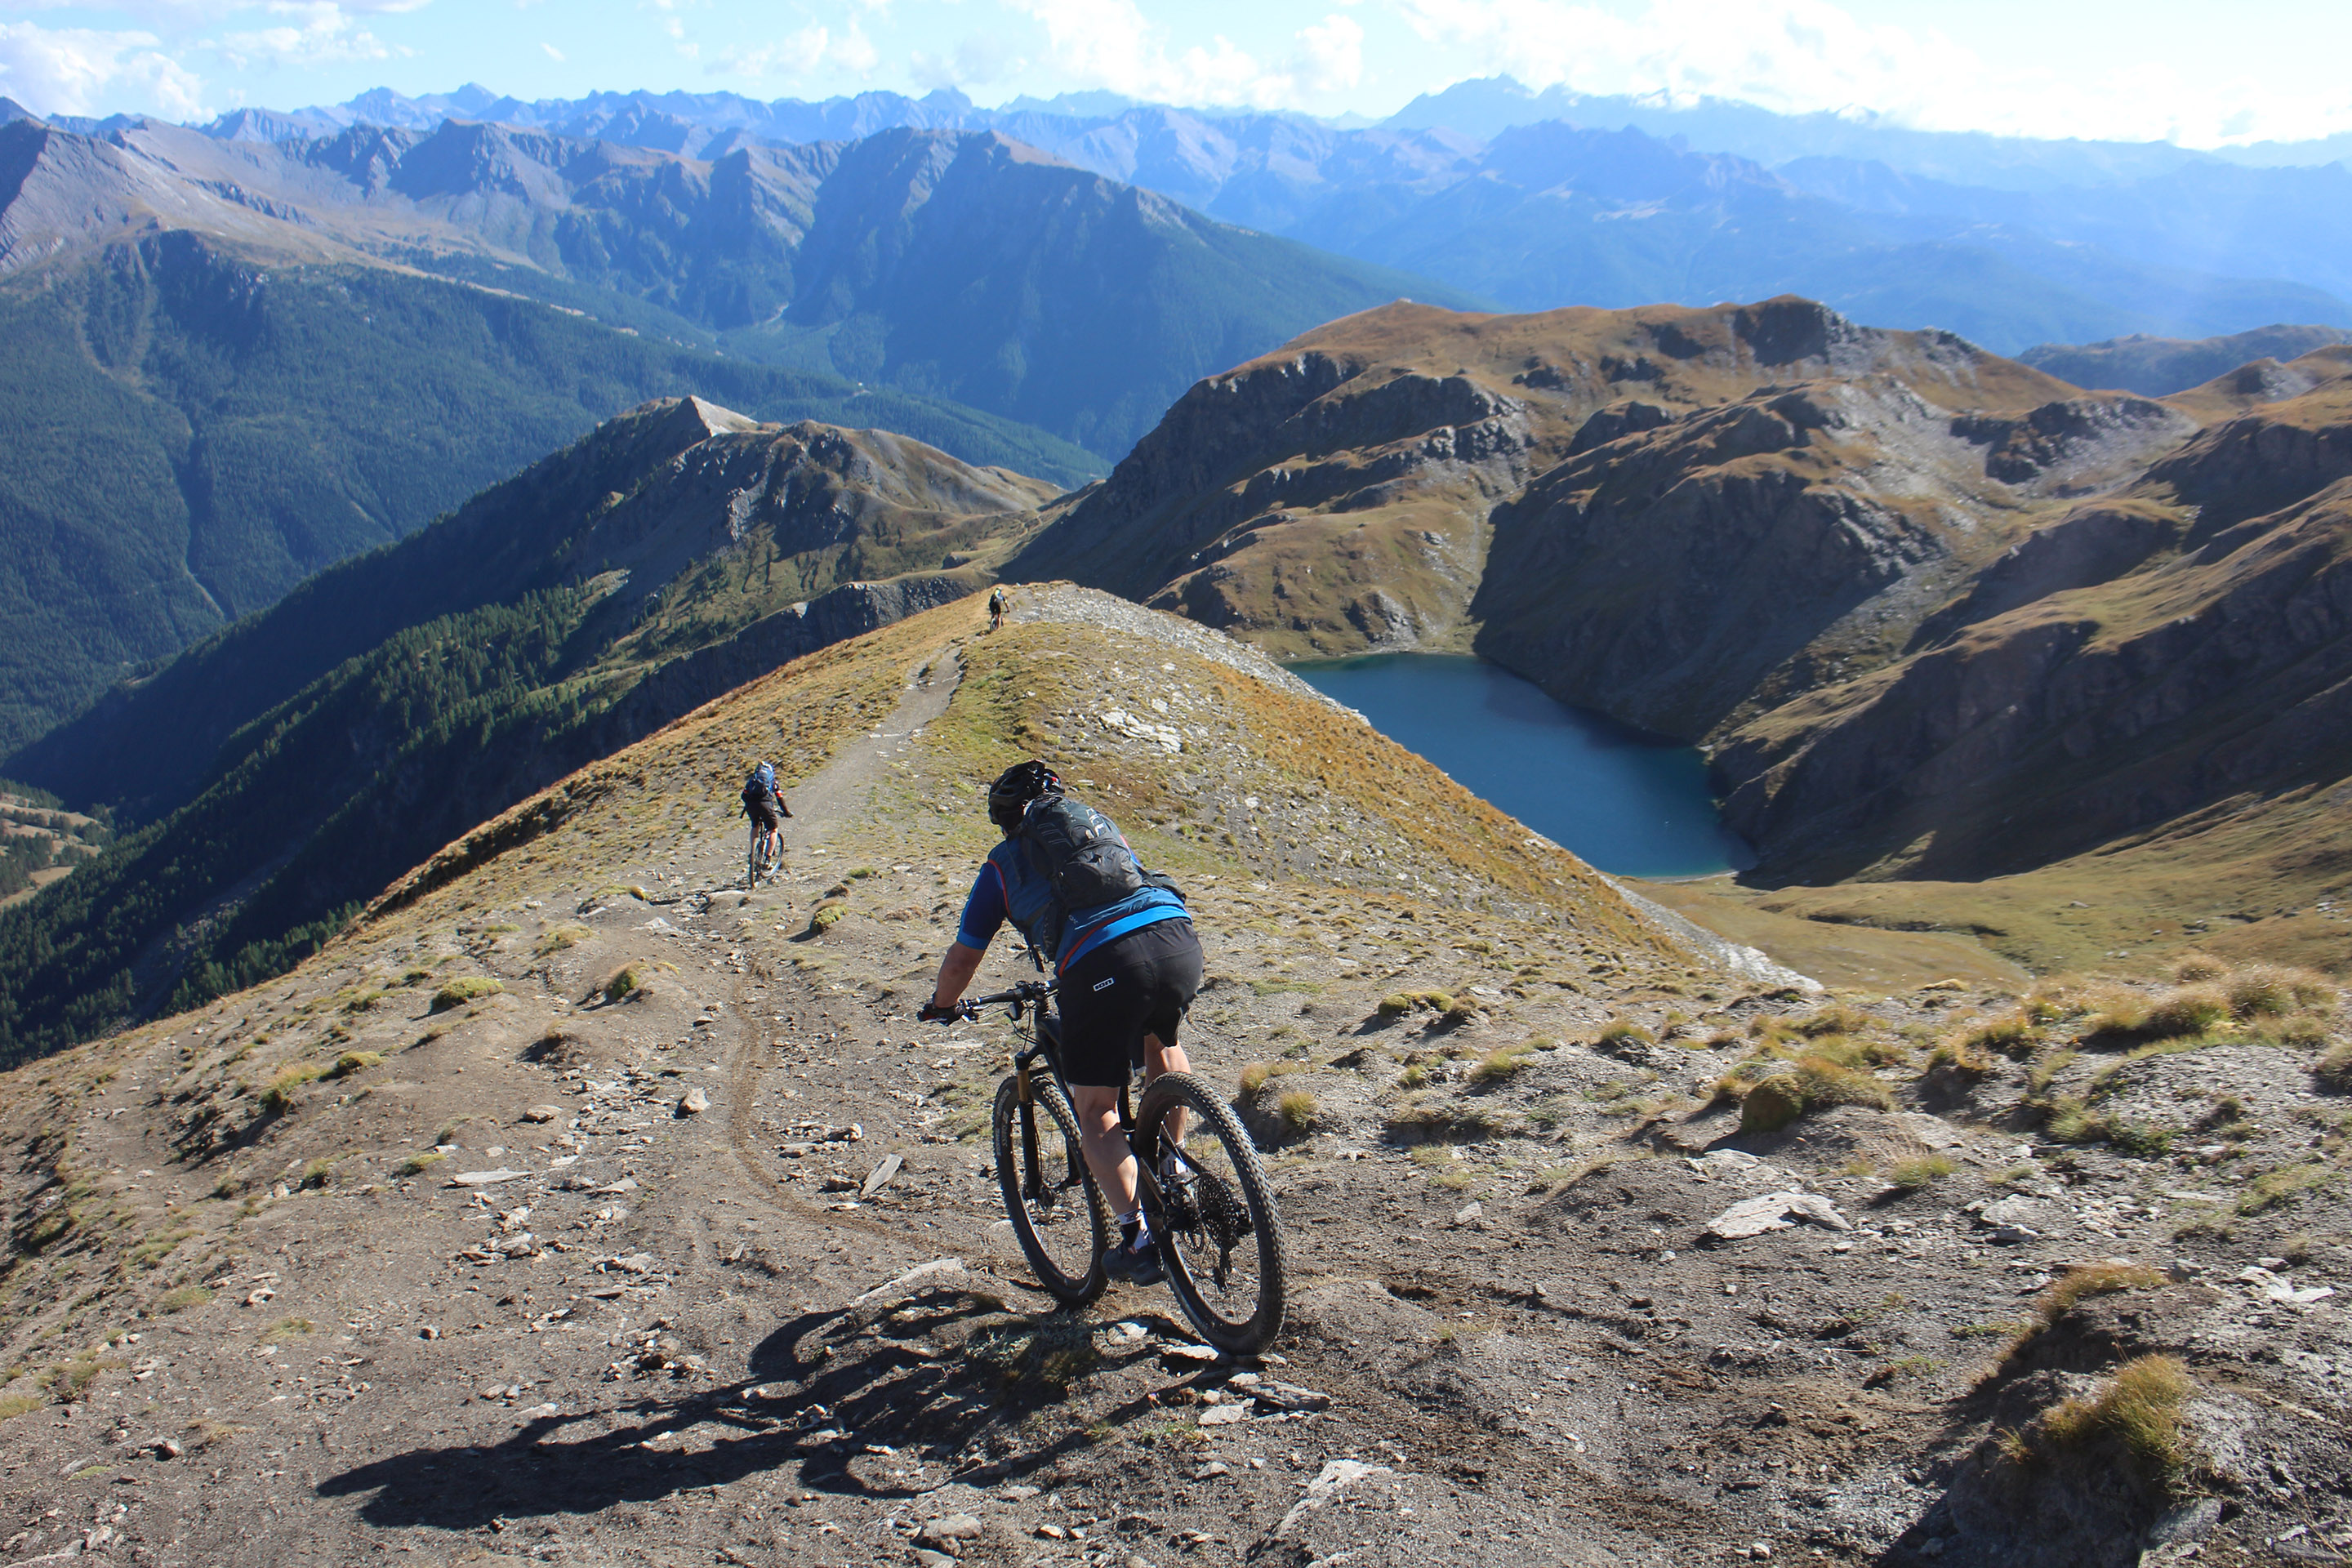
x: 1108, y: 1154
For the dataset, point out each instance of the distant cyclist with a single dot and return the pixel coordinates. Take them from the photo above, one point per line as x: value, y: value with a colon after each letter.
x: 998, y: 603
x: 765, y: 806
x: 1125, y: 952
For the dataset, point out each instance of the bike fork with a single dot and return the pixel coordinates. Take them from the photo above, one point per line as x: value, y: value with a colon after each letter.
x: 1033, y: 1184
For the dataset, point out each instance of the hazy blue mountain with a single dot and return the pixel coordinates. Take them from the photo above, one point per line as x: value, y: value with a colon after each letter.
x: 1575, y: 199
x: 956, y: 265
x: 2159, y: 367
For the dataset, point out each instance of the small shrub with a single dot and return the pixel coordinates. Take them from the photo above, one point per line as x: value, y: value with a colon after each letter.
x: 2013, y: 1034
x: 2116, y: 1011
x: 1298, y: 1111
x: 1959, y: 1056
x: 1771, y: 1106
x: 1926, y: 1171
x: 459, y: 992
x: 827, y: 914
x: 317, y: 1173
x: 2335, y: 1068
x: 1257, y: 1076
x: 2184, y: 1011
x: 623, y: 984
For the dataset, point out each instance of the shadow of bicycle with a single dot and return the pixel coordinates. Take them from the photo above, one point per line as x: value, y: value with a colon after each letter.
x: 874, y: 1397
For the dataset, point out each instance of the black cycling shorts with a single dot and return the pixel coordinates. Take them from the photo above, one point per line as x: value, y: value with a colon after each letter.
x: 1140, y: 985
x: 761, y: 810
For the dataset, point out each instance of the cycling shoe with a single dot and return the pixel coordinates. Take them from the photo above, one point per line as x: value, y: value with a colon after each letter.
x: 1135, y: 1264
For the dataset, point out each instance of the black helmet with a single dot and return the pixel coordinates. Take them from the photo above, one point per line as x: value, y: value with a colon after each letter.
x: 1010, y: 795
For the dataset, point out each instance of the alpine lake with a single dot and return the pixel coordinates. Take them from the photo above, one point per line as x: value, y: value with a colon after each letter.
x: 1625, y: 802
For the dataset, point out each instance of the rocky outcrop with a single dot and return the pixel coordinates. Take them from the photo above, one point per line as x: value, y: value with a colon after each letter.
x: 1665, y: 577
x: 1336, y: 495
x: 2088, y: 716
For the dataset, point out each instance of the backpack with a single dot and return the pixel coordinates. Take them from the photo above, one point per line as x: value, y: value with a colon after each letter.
x: 761, y: 783
x: 1082, y: 856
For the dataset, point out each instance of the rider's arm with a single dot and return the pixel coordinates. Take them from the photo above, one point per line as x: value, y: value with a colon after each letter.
x: 983, y: 913
x: 956, y: 970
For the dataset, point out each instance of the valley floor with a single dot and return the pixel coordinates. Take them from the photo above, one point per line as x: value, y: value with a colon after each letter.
x: 640, y: 1289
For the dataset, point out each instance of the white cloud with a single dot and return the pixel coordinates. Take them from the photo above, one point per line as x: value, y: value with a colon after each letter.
x: 1110, y: 44
x: 81, y: 71
x: 800, y: 55
x: 553, y: 53
x: 315, y: 32
x: 1805, y: 56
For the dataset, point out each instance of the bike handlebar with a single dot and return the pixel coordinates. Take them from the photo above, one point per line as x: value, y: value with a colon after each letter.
x: 1024, y: 994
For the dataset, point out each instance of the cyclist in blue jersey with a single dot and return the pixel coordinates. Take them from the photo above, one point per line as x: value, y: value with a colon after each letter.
x: 1129, y: 969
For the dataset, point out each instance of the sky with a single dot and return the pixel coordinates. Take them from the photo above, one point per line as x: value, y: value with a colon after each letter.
x: 2183, y: 70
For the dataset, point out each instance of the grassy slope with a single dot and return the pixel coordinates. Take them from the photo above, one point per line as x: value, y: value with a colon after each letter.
x: 183, y: 438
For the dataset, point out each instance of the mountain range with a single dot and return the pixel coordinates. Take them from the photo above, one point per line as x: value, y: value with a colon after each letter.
x: 1575, y: 199
x: 187, y: 438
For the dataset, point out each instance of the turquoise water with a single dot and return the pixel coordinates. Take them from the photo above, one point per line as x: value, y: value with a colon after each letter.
x: 1625, y: 802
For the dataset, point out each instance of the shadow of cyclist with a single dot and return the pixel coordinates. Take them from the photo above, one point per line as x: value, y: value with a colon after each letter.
x: 861, y: 1381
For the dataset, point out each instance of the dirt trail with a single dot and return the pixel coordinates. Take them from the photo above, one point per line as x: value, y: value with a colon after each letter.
x: 558, y: 1270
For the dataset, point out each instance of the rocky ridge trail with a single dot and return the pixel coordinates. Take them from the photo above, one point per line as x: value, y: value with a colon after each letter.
x: 1603, y: 1253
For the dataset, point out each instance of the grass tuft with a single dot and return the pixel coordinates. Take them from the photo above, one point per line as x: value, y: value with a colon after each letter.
x: 418, y: 1164
x: 2335, y: 1068
x: 1500, y: 1064
x: 2283, y: 1184
x: 459, y: 992
x: 1298, y: 1111
x: 1926, y: 1171
x: 2144, y: 1409
x: 181, y: 1299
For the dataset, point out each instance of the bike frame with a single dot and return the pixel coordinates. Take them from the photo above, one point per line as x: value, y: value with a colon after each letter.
x: 1033, y: 996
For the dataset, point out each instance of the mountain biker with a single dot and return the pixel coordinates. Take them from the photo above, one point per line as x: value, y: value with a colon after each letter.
x: 764, y: 805
x: 998, y: 603
x: 1129, y: 969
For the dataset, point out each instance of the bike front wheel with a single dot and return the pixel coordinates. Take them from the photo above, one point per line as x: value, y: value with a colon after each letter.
x: 1057, y: 1213
x: 1219, y: 1235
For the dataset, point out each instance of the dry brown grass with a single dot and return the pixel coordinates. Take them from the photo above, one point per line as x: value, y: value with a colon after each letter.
x: 2270, y: 990
x: 2144, y: 1409
x: 2335, y: 1068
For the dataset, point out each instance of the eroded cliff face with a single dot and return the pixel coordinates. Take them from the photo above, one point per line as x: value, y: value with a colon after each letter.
x: 1335, y: 496
x: 2143, y: 660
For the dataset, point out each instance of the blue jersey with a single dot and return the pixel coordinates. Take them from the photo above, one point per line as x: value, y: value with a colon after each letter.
x: 1011, y: 885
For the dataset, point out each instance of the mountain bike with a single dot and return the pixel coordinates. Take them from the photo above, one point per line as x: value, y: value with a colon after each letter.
x: 1206, y: 1198
x: 760, y: 863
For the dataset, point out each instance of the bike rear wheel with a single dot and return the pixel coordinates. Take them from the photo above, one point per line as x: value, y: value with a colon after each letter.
x: 1219, y: 1235
x: 1057, y: 1213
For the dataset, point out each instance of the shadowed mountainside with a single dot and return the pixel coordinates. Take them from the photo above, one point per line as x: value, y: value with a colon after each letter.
x: 296, y: 762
